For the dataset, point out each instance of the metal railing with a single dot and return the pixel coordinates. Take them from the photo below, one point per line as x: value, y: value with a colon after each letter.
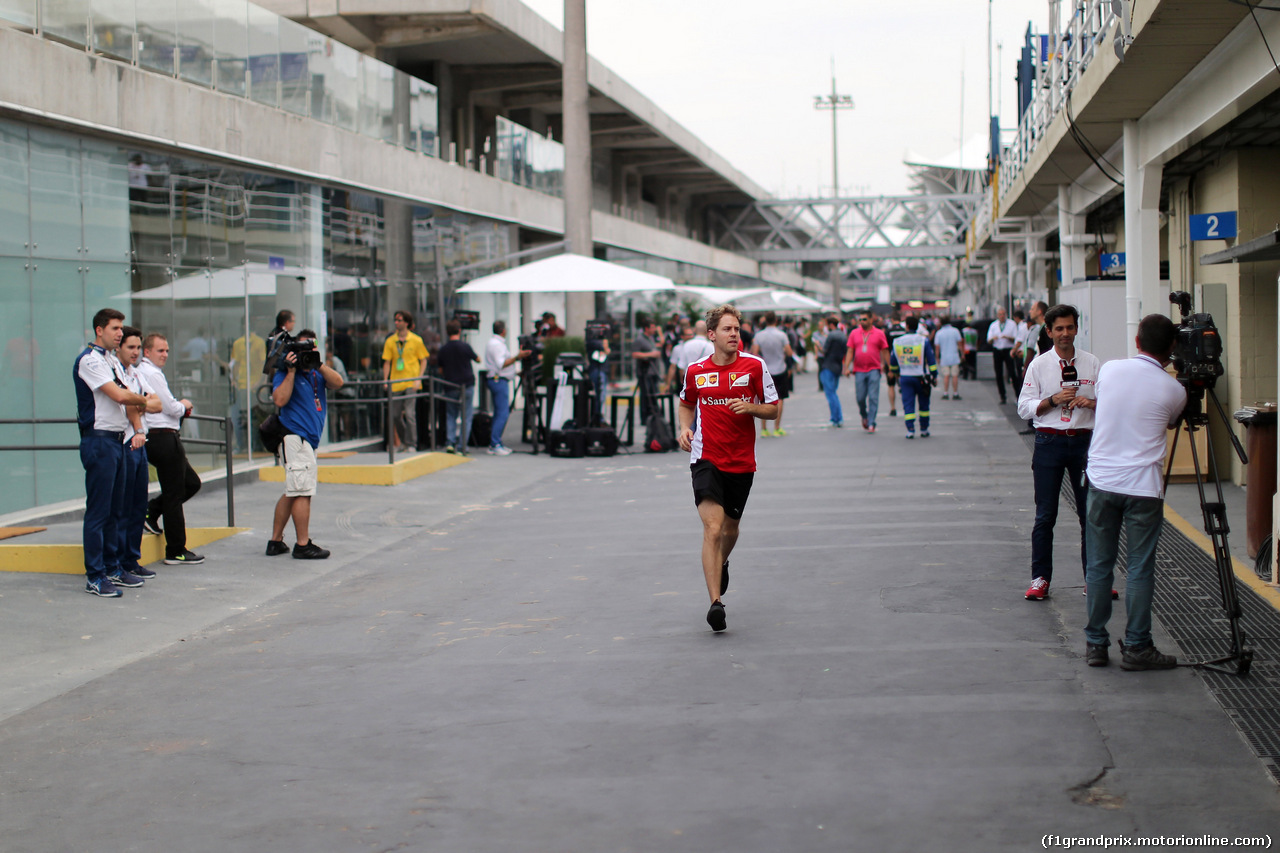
x: 224, y: 443
x: 1072, y: 53
x: 434, y: 388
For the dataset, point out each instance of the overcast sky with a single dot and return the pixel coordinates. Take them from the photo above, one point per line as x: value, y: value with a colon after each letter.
x: 742, y: 76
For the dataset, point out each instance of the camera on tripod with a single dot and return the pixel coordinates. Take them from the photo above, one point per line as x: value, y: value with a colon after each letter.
x: 1197, y: 351
x: 308, y: 357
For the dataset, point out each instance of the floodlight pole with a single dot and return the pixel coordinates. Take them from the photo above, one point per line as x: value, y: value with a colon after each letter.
x: 834, y: 102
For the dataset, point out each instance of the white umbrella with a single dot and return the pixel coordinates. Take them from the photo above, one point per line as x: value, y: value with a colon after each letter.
x: 567, y: 274
x: 777, y: 300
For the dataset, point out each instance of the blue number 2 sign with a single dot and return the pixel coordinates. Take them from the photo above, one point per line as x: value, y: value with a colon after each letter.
x: 1214, y: 226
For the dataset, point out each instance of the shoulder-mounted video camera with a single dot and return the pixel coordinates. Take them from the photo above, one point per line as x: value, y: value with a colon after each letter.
x: 1197, y: 350
x: 308, y: 357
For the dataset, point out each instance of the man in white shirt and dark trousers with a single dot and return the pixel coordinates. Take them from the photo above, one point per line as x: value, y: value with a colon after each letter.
x: 179, y: 482
x: 1002, y: 335
x: 1058, y: 397
x: 1137, y: 403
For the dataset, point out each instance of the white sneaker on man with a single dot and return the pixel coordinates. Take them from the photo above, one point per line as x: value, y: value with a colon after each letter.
x: 499, y: 450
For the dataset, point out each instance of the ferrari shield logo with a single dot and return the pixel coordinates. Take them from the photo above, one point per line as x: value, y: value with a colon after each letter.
x: 739, y: 380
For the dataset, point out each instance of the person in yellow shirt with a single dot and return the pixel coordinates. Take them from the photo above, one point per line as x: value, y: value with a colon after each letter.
x: 404, y: 357
x: 245, y: 362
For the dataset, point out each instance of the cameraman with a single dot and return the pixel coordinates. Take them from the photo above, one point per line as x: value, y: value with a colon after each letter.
x: 1137, y: 402
x: 300, y: 394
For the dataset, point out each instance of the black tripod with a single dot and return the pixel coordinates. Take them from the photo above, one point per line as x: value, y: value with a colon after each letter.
x: 1195, y: 418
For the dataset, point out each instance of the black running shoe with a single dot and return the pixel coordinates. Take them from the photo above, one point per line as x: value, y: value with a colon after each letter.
x: 276, y: 547
x: 310, y: 551
x: 151, y: 524
x: 191, y: 558
x: 724, y: 578
x: 715, y: 616
x: 143, y: 572
x: 1148, y: 657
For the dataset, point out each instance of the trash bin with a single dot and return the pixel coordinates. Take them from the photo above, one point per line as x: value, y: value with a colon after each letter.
x: 1260, y: 424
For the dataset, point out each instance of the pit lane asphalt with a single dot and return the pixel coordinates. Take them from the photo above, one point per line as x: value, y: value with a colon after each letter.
x: 511, y: 655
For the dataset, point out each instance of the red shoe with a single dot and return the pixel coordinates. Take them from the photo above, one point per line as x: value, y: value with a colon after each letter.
x: 1038, y: 591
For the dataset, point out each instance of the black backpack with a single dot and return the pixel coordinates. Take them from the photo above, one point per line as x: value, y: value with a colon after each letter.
x: 658, y: 437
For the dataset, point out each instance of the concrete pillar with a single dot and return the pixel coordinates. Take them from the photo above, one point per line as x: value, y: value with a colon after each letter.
x: 579, y: 307
x: 1141, y: 234
x: 444, y: 93
x: 1070, y: 258
x: 398, y: 256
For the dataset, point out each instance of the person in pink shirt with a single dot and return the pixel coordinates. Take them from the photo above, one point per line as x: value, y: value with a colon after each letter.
x: 866, y: 359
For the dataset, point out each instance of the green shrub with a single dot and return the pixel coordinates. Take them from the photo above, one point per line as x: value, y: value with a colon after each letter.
x: 552, y: 347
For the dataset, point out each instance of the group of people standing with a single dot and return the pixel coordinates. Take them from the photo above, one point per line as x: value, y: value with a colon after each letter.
x: 123, y: 403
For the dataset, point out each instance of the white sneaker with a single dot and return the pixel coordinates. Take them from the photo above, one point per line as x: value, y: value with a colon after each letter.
x: 500, y: 450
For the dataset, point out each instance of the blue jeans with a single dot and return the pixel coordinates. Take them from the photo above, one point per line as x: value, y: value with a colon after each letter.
x: 915, y: 388
x: 136, y: 479
x: 866, y: 385
x: 1056, y: 456
x: 103, y: 461
x: 501, y: 391
x: 1143, y: 519
x: 830, y: 382
x: 599, y: 378
x: 462, y: 403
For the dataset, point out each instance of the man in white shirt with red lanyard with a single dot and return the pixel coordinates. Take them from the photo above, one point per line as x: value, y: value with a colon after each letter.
x: 1058, y: 397
x: 722, y: 394
x: 1137, y: 403
x: 1002, y: 335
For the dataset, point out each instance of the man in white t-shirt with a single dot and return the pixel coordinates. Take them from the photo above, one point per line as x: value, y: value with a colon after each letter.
x: 1137, y: 401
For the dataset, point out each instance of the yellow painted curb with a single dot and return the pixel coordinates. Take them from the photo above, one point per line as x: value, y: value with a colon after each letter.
x: 69, y: 559
x: 1245, y: 574
x: 402, y: 471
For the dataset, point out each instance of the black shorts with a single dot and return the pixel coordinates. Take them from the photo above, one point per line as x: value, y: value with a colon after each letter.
x: 728, y: 490
x: 891, y: 379
x: 782, y: 384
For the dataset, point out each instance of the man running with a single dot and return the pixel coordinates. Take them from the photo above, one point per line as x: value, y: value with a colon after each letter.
x: 724, y: 392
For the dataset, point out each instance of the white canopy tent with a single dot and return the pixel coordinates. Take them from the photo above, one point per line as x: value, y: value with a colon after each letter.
x: 754, y: 298
x: 567, y: 274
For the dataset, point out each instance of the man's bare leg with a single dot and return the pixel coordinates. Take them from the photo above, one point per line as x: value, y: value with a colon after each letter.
x: 719, y: 535
x: 284, y: 509
x: 302, y: 518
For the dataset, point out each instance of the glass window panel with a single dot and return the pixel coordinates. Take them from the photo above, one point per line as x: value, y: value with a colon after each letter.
x: 196, y: 40
x: 424, y: 116
x: 264, y: 56
x: 295, y: 74
x: 17, y: 383
x: 335, y: 82
x: 231, y: 39
x: 150, y: 235
x: 60, y: 322
x: 20, y: 12
x: 114, y: 24
x: 105, y: 203
x: 66, y: 19
x: 189, y: 215
x: 377, y: 99
x: 15, y: 225
x: 55, y: 196
x: 158, y: 34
